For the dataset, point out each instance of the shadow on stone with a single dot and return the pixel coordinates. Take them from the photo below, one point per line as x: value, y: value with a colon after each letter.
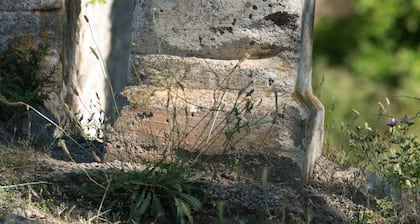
x: 84, y: 151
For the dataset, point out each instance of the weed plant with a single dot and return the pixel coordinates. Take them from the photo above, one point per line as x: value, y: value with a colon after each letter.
x: 392, y: 151
x: 19, y: 70
x: 164, y: 192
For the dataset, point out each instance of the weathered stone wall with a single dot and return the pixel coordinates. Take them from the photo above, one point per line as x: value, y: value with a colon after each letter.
x: 207, y: 76
x: 42, y: 22
x: 87, y: 43
x: 217, y: 76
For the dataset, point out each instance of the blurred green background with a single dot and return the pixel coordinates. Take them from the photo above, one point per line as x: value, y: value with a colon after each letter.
x: 365, y: 51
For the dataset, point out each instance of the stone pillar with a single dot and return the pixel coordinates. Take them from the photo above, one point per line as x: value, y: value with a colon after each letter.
x: 98, y: 52
x: 217, y: 77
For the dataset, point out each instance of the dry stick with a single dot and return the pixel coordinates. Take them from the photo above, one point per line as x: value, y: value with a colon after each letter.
x: 220, y: 131
x: 99, y: 213
x: 20, y: 103
x: 24, y: 184
x: 66, y: 150
x: 199, y: 144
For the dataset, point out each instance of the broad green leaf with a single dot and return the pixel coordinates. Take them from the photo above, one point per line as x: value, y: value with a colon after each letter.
x: 146, y: 203
x: 158, y: 210
x: 187, y: 211
x: 191, y: 200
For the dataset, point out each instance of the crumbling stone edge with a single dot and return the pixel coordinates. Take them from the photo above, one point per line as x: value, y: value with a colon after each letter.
x: 304, y: 95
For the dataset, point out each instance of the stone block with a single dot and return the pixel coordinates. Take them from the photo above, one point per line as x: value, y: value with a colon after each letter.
x: 18, y: 24
x: 30, y: 5
x: 216, y: 76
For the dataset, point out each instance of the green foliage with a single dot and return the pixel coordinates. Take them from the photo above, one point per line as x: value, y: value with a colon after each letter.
x: 379, y: 41
x: 19, y: 69
x: 394, y: 154
x: 367, y: 56
x: 163, y: 192
x: 97, y: 1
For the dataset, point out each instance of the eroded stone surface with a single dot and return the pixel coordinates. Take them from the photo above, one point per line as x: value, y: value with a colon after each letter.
x: 216, y: 29
x: 215, y: 76
x: 28, y: 5
x: 205, y: 74
x: 205, y: 125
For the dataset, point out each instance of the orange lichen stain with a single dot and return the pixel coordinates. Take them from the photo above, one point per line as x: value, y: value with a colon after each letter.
x: 262, y: 54
x: 282, y: 68
x: 248, y: 4
x: 23, y: 42
x: 43, y: 34
x: 175, y: 29
x: 268, y: 93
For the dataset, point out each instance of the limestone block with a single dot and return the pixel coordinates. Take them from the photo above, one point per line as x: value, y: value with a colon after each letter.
x: 30, y: 5
x: 191, y: 119
x: 217, y: 75
x: 18, y: 23
x: 217, y: 29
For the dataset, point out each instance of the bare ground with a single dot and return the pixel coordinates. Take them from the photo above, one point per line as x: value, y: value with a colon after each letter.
x: 336, y: 195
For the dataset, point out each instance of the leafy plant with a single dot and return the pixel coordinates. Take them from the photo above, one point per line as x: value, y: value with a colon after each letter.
x: 378, y: 41
x: 163, y: 192
x: 19, y: 70
x: 375, y: 50
x: 394, y: 154
x: 391, y: 149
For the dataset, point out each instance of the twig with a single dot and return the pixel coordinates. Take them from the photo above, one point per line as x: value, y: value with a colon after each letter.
x: 24, y: 184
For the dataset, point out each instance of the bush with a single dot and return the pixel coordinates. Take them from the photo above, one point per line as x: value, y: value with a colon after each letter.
x: 394, y: 153
x: 164, y: 192
x: 379, y: 41
x: 19, y: 69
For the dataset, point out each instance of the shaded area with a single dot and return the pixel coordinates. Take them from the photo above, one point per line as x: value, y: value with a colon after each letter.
x: 283, y: 19
x: 81, y: 151
x: 245, y: 198
x: 117, y: 62
x: 244, y: 167
x: 289, y: 203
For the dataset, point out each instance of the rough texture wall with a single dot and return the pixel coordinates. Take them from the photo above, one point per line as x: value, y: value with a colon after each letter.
x: 44, y: 22
x: 81, y: 54
x: 214, y: 77
x: 37, y: 18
